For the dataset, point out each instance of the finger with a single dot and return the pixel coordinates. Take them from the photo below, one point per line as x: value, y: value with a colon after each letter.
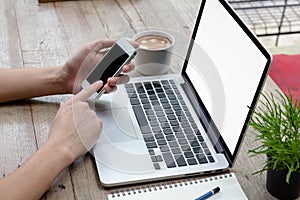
x: 109, y: 89
x: 104, y: 43
x: 132, y: 42
x: 128, y: 67
x: 87, y: 92
x: 121, y: 79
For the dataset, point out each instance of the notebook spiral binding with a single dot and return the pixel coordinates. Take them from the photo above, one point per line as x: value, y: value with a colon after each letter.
x: 162, y: 186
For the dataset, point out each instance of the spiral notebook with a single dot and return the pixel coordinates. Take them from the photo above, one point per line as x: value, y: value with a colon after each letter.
x: 191, y: 189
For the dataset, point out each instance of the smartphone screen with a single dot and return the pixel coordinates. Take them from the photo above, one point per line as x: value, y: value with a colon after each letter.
x: 109, y: 65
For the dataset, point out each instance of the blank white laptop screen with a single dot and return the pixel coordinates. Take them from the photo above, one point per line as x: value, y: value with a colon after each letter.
x: 228, y: 99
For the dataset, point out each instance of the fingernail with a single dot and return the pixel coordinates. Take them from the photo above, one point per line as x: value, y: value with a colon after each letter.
x: 99, y: 82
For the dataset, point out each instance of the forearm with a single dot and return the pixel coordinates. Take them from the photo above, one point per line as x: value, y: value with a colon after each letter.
x: 35, y: 176
x: 26, y: 83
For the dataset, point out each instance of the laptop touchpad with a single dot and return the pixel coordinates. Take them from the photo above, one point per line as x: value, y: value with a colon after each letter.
x: 117, y: 126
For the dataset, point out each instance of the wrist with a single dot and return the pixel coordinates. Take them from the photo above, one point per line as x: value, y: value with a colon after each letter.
x: 63, y: 156
x: 61, y: 80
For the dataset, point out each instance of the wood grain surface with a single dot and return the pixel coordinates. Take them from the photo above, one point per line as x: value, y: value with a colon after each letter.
x: 46, y: 34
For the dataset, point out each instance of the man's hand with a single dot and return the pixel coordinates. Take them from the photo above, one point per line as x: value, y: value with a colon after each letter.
x: 76, y: 69
x: 76, y: 127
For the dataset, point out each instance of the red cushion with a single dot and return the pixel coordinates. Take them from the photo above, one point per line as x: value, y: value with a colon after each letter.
x: 285, y: 72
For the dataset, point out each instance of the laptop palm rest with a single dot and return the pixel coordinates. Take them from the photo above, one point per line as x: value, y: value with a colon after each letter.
x: 119, y: 147
x: 117, y: 126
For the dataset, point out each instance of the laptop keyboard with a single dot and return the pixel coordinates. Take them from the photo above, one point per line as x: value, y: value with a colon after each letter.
x: 169, y: 131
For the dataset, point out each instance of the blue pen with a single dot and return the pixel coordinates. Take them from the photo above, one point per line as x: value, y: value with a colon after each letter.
x: 208, y: 194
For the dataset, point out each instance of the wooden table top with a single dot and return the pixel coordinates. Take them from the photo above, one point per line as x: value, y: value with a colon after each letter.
x: 39, y: 35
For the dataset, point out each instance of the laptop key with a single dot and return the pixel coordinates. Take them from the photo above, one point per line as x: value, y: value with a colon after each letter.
x: 179, y: 135
x: 173, y: 144
x: 174, y: 123
x: 192, y: 161
x: 129, y: 85
x: 172, y: 97
x: 151, y: 118
x: 191, y: 137
x: 140, y: 90
x: 145, y: 129
x: 157, y: 108
x: 156, y: 166
x: 184, y: 107
x: 164, y: 148
x: 159, y: 136
x: 206, y: 151
x: 188, y: 130
x: 150, y: 92
x: 182, y: 118
x: 159, y: 90
x: 176, y: 150
x: 203, y: 144
x: 157, y: 158
x: 168, y: 158
x: 156, y: 84
x: 201, y: 158
x: 194, y: 125
x: 130, y: 91
x: 169, y: 111
x: 156, y: 129
x: 194, y: 143
x: 210, y: 159
x: 154, y: 123
x: 185, y: 124
x: 188, y: 154
x: 134, y: 101
x: 152, y: 97
x: 148, y: 86
x: 163, y: 101
x: 165, y: 82
x: 148, y: 138
x: 151, y: 145
x: 182, y: 141
x: 170, y: 137
x: 151, y: 152
x: 147, y: 106
x: 145, y: 101
x: 185, y: 148
x: 174, y: 102
x: 197, y: 150
x: 161, y: 142
x: 143, y: 96
x: 171, y: 117
x: 161, y: 95
x: 155, y: 103
x: 167, y: 131
x: 200, y: 138
x: 166, y: 105
x: 180, y: 160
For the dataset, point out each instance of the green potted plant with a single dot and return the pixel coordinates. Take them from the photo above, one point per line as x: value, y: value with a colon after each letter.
x: 277, y: 124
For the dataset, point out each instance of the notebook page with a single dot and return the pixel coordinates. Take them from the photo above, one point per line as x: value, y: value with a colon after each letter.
x: 228, y: 183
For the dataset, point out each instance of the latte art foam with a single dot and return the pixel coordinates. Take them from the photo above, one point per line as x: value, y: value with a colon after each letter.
x: 153, y: 42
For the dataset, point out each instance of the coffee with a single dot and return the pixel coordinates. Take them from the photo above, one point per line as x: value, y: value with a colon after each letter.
x: 153, y: 42
x: 154, y: 53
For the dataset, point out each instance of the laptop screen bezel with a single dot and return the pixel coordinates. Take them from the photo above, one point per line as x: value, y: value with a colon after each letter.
x: 205, y: 117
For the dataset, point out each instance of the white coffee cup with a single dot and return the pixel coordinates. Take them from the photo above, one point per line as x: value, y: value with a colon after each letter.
x: 155, y: 60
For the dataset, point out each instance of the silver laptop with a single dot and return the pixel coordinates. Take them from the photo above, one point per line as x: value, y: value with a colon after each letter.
x: 161, y: 127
